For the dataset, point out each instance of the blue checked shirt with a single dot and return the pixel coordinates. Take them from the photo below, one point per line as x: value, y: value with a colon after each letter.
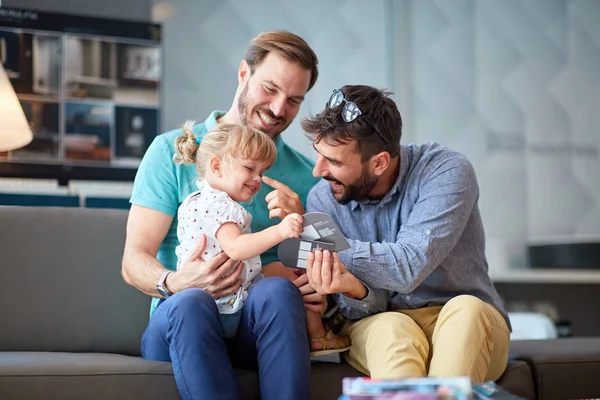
x: 422, y: 244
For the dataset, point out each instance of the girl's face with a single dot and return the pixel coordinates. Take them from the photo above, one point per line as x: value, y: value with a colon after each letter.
x: 242, y: 179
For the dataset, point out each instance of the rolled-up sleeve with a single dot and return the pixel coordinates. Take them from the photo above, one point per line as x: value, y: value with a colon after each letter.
x: 447, y: 196
x: 375, y: 302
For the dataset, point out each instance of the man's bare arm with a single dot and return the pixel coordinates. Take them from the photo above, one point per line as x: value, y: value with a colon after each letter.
x: 146, y: 229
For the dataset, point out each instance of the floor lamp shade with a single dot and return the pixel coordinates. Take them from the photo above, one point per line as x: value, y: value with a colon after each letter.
x: 14, y: 128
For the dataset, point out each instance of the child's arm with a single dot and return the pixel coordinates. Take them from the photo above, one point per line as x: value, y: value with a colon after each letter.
x: 244, y: 246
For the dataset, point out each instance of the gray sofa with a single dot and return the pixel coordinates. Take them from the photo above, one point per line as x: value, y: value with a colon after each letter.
x: 71, y: 327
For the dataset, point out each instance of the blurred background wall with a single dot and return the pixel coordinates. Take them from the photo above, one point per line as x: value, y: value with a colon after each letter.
x: 515, y: 85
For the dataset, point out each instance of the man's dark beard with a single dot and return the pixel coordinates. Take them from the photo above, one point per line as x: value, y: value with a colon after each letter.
x: 243, y: 111
x: 356, y: 191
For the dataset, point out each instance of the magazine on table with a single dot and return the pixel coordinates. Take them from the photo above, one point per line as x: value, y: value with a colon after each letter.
x: 362, y: 388
x: 452, y: 388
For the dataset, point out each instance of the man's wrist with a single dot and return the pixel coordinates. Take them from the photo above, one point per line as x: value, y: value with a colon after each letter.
x: 359, y: 291
x: 161, y: 286
x: 298, y: 209
x: 170, y: 282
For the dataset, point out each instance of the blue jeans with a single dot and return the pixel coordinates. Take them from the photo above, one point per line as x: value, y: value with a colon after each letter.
x: 230, y: 323
x: 271, y: 337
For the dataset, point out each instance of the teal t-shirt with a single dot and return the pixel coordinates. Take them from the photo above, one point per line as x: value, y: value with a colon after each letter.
x: 162, y: 185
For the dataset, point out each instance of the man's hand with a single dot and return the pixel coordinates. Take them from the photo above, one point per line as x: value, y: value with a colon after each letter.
x: 327, y: 275
x: 211, y: 276
x: 283, y: 200
x: 312, y: 301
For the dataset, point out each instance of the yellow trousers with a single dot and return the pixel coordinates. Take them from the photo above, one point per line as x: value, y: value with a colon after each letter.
x: 465, y: 337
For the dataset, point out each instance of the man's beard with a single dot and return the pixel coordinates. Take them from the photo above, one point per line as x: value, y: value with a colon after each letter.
x: 244, y: 110
x: 356, y: 191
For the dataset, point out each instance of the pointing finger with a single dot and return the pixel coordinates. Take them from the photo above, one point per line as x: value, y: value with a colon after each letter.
x: 278, y: 185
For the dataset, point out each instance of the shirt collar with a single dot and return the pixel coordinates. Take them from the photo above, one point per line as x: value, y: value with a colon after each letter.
x: 211, y: 121
x: 404, y: 164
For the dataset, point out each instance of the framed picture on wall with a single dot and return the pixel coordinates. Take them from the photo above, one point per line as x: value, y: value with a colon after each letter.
x: 135, y: 130
x: 90, y: 89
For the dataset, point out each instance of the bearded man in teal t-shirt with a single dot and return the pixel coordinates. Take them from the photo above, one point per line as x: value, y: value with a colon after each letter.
x: 278, y: 70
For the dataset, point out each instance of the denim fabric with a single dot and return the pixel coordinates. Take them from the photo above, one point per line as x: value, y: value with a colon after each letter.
x: 271, y: 337
x: 230, y: 323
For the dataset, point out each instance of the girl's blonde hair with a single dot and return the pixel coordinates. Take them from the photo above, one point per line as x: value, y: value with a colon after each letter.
x: 226, y: 141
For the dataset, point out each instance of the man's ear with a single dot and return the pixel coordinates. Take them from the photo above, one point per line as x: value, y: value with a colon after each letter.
x: 243, y: 72
x: 216, y: 166
x: 380, y: 163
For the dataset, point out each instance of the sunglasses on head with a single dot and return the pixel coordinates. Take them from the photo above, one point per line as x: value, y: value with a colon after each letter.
x: 350, y: 111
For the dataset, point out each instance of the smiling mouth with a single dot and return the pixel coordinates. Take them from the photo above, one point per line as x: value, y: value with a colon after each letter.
x: 333, y: 182
x: 252, y: 188
x: 266, y: 119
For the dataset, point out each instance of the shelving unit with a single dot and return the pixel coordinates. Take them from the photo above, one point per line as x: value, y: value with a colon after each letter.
x: 90, y: 89
x: 539, y: 275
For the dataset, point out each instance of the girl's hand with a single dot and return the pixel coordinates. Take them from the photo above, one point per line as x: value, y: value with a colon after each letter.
x: 291, y: 226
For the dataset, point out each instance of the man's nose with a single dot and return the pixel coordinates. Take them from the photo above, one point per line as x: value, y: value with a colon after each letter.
x: 318, y: 169
x: 278, y: 106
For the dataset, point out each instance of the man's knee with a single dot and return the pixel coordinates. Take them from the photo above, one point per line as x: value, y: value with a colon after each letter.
x: 187, y: 310
x: 466, y: 308
x: 276, y: 291
x: 470, y: 311
x: 190, y: 302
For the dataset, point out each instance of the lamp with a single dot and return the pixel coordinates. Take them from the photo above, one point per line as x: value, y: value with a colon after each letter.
x: 14, y: 128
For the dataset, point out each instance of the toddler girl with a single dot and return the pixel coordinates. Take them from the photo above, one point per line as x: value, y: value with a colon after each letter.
x: 230, y: 160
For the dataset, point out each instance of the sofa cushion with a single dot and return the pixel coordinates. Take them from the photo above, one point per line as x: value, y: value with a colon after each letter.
x: 518, y: 380
x: 562, y: 368
x: 61, y: 288
x: 36, y: 375
x: 326, y: 379
x: 33, y: 375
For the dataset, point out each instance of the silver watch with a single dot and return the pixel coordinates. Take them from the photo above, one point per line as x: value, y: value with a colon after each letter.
x: 161, y: 288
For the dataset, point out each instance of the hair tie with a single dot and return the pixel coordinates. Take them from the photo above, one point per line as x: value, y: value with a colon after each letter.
x: 198, y: 139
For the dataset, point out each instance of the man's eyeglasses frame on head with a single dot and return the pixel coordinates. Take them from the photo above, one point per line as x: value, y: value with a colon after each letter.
x: 350, y: 111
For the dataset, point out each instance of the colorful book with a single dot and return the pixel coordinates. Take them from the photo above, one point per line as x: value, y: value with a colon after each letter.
x: 361, y: 388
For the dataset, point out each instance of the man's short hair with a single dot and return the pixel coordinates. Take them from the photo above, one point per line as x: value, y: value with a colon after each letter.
x: 378, y: 111
x: 287, y: 45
